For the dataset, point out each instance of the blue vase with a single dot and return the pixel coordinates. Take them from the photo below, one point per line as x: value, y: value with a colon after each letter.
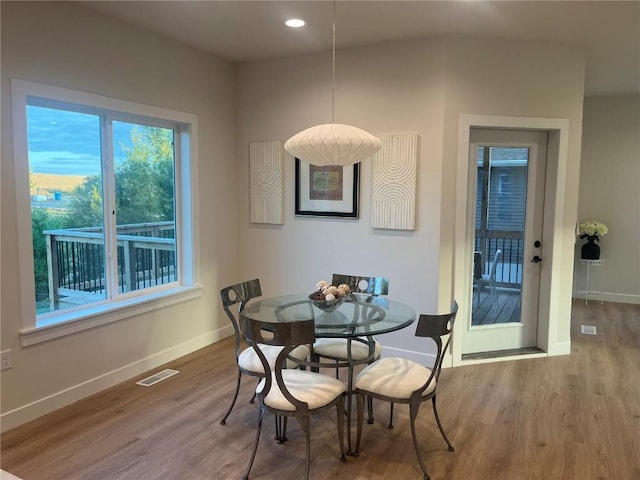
x: 591, y: 250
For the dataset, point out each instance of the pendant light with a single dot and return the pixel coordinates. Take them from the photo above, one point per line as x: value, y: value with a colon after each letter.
x: 333, y: 143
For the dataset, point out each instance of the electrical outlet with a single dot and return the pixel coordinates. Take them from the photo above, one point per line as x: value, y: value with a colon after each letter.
x: 5, y: 359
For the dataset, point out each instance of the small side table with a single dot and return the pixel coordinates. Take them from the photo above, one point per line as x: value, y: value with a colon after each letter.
x: 588, y: 291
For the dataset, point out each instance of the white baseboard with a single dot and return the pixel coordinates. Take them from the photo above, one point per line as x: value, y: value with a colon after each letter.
x: 621, y: 298
x: 33, y: 410
x: 477, y: 361
x: 609, y: 297
x: 8, y: 476
x: 419, y: 357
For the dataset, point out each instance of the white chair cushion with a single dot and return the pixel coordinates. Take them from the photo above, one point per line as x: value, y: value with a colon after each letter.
x: 316, y: 389
x: 395, y: 377
x: 337, y: 348
x: 249, y: 360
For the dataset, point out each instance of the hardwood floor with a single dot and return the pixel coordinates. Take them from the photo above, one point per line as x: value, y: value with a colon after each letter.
x: 569, y: 417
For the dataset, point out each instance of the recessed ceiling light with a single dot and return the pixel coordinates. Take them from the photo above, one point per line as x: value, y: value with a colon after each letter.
x: 294, y: 23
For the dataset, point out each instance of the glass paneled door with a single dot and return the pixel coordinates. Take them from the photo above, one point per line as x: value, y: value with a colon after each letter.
x: 508, y: 174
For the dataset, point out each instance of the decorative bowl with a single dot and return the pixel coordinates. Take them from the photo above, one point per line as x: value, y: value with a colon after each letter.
x: 327, y: 305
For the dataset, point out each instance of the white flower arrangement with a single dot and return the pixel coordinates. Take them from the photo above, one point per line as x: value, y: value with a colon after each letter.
x: 592, y: 229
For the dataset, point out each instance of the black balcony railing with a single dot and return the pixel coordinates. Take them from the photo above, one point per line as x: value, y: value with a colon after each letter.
x: 147, y: 257
x: 76, y: 258
x: 509, y: 268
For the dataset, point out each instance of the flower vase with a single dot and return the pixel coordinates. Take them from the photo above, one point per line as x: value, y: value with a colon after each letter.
x: 591, y: 250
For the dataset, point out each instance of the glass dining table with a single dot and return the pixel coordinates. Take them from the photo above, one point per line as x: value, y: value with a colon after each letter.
x: 357, y: 317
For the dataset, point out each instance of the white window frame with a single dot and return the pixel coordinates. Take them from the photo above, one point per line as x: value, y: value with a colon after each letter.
x: 67, y: 322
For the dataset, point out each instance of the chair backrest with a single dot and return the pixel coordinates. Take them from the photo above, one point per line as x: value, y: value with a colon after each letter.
x: 437, y: 327
x: 359, y: 284
x: 288, y: 335
x: 239, y: 293
x: 494, y: 264
x: 477, y: 265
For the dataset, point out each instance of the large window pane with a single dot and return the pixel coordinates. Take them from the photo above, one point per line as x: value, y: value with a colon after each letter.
x: 501, y: 204
x: 66, y: 207
x: 508, y: 188
x: 145, y: 205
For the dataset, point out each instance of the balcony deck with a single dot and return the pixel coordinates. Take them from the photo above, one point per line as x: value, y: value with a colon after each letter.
x: 483, y: 312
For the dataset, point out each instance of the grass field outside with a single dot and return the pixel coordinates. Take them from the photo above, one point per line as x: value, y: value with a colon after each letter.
x: 48, y: 184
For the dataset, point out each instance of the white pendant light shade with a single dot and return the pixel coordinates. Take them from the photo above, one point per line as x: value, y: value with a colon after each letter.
x: 332, y: 144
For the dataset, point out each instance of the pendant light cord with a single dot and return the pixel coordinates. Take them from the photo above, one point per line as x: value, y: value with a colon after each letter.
x: 333, y: 67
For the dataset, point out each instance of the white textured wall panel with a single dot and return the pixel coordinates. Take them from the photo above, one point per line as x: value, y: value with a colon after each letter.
x: 393, y: 202
x: 266, y: 182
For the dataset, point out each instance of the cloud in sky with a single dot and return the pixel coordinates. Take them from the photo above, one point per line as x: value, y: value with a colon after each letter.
x: 68, y: 143
x: 64, y: 163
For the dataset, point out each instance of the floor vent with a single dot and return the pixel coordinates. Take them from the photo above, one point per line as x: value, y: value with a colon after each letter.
x: 588, y: 329
x: 157, y: 377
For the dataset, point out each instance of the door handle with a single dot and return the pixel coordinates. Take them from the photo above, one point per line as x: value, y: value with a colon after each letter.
x: 536, y: 259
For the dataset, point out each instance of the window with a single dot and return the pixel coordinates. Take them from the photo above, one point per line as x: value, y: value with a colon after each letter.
x: 504, y: 193
x: 109, y: 192
x: 501, y: 198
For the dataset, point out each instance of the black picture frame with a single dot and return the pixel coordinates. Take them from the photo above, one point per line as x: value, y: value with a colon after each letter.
x: 336, y: 192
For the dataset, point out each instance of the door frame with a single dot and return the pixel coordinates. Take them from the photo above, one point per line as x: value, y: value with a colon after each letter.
x: 525, y: 330
x: 550, y: 293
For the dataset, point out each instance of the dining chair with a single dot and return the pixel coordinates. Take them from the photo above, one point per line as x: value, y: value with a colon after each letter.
x: 489, y: 280
x: 336, y: 348
x: 398, y: 380
x: 291, y: 392
x: 246, y: 359
x: 348, y: 350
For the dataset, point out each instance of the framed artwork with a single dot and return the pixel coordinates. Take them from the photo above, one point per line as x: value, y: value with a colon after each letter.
x: 327, y: 191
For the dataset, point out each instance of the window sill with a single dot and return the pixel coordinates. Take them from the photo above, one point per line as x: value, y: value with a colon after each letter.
x: 107, y: 313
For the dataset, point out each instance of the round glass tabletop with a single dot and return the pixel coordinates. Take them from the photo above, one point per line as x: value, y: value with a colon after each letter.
x: 358, y: 315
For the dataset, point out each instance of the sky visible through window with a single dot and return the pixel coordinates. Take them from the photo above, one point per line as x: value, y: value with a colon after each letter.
x: 68, y: 143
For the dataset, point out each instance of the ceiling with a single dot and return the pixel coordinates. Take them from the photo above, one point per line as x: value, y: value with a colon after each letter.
x: 243, y: 31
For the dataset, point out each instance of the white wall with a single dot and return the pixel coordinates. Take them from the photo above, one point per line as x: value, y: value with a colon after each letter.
x: 69, y: 46
x: 414, y: 86
x: 610, y: 190
x: 389, y: 89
